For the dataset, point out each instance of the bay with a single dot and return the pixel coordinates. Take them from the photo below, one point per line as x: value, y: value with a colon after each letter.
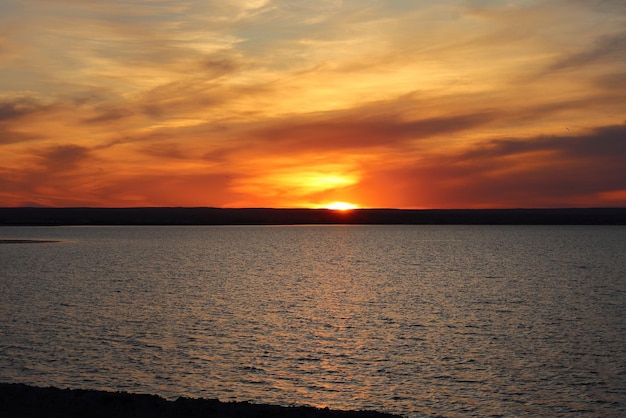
x: 415, y: 320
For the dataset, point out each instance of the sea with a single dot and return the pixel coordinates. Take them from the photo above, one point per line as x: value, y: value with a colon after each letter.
x: 421, y: 321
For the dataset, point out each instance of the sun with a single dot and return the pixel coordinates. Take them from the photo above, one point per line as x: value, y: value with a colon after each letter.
x: 341, y: 206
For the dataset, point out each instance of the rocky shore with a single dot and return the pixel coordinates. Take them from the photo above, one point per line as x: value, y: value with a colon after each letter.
x: 18, y: 400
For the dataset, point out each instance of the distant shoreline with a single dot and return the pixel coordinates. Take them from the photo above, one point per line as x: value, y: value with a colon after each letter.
x: 262, y: 216
x: 19, y: 400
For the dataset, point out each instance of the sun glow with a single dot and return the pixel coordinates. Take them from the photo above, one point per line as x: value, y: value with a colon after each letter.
x: 341, y: 206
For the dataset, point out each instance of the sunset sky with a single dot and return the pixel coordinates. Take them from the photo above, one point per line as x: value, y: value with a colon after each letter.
x: 286, y: 103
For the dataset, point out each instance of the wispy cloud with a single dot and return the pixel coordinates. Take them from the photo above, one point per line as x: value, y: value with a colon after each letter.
x: 345, y: 132
x: 606, y: 48
x: 63, y: 157
x: 14, y: 108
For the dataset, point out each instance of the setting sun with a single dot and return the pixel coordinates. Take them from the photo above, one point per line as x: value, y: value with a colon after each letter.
x: 341, y: 206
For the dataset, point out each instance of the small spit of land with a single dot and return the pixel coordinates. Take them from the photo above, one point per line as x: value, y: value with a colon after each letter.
x: 18, y: 400
x: 261, y: 216
x: 26, y: 241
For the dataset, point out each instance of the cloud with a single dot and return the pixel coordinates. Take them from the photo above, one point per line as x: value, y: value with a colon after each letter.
x: 8, y: 136
x: 16, y: 112
x: 610, y: 47
x: 612, y: 82
x: 608, y: 6
x: 172, y: 189
x: 604, y: 143
x: 354, y: 131
x: 169, y: 150
x: 219, y: 64
x: 541, y: 171
x: 63, y: 157
x: 18, y: 107
x: 108, y: 115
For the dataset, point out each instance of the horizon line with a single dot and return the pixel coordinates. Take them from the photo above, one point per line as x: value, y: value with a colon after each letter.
x: 317, y: 208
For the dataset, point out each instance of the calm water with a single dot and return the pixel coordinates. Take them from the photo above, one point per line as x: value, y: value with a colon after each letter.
x: 416, y: 320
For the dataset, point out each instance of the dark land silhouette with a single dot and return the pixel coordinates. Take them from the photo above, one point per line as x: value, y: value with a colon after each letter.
x: 263, y: 216
x: 23, y: 401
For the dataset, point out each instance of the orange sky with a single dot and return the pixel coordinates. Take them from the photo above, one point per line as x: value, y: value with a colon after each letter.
x: 285, y: 103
